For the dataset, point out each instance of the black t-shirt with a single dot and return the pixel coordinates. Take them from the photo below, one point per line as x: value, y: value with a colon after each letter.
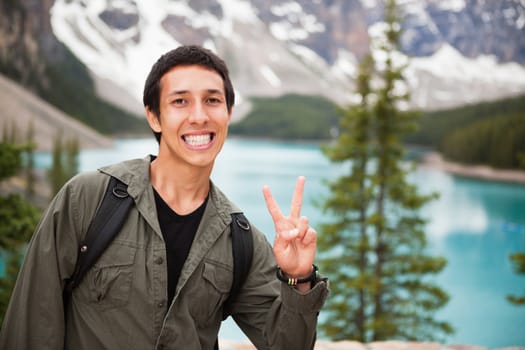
x: 178, y: 232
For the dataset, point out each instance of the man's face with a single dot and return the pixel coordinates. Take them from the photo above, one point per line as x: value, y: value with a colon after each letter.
x: 193, y: 116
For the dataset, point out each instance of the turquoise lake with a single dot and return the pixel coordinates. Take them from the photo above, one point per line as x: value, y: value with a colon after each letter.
x: 475, y: 224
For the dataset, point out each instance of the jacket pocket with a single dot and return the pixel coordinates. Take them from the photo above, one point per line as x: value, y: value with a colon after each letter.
x: 216, y: 283
x: 218, y: 276
x: 108, y: 283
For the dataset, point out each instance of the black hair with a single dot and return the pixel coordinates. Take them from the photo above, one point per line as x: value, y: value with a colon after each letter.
x: 184, y: 56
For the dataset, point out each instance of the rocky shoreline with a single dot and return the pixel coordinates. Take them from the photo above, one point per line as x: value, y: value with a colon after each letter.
x: 381, y: 345
x: 435, y: 160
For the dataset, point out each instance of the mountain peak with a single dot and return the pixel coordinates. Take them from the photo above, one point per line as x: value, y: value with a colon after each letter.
x: 303, y: 46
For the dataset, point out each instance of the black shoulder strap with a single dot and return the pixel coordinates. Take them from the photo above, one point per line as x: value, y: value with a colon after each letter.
x: 106, y: 224
x: 242, y: 248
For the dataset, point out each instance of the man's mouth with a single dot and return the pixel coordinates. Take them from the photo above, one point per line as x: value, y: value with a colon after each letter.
x: 198, y: 140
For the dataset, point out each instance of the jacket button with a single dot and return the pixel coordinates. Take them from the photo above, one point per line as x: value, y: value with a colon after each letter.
x: 161, y: 304
x: 159, y: 260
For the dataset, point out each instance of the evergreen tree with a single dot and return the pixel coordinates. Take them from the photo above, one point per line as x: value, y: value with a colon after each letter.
x: 10, y: 132
x: 30, y: 163
x: 56, y: 174
x: 352, y: 195
x: 18, y: 219
x: 374, y: 250
x: 71, y: 163
x: 64, y: 163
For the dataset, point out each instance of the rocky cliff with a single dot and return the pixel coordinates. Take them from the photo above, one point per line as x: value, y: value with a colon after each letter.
x: 32, y: 56
x: 27, y: 42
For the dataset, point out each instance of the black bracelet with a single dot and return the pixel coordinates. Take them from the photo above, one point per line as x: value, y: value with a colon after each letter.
x: 296, y: 281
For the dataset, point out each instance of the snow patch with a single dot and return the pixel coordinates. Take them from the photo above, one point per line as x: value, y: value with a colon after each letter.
x: 447, y: 62
x: 239, y: 10
x: 285, y: 31
x: 107, y: 52
x: 370, y: 4
x: 450, y: 5
x: 461, y: 79
x: 295, y: 25
x: 345, y: 64
x: 286, y: 9
x: 270, y: 76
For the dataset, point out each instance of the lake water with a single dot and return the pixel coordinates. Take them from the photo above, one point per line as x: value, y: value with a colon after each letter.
x: 474, y: 224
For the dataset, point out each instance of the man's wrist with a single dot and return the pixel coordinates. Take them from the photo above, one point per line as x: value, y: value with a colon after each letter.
x: 312, y: 278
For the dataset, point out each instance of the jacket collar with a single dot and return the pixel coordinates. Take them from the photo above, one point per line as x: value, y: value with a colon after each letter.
x: 136, y: 174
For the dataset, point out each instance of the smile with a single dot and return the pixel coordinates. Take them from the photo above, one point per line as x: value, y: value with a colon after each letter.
x: 198, y: 140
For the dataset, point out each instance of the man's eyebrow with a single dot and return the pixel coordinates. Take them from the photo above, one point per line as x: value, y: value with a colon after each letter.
x: 215, y: 91
x: 182, y: 92
x: 178, y: 92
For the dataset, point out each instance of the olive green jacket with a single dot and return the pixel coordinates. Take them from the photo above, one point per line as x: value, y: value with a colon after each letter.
x: 121, y: 303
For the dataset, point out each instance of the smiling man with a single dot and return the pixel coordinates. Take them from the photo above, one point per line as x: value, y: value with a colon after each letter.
x: 162, y: 283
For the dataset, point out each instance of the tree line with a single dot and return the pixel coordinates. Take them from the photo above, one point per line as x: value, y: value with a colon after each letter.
x: 498, y: 142
x: 490, y: 133
x: 290, y: 117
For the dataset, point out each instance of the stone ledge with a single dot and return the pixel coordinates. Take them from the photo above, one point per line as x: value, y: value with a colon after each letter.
x: 382, y: 345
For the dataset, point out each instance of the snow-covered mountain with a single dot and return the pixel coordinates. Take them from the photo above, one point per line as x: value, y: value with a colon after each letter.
x: 461, y: 50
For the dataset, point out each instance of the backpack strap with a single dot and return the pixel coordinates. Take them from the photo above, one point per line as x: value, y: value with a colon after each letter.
x: 106, y: 224
x: 242, y: 250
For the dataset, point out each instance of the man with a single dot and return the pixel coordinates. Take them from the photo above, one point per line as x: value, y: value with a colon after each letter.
x: 162, y: 283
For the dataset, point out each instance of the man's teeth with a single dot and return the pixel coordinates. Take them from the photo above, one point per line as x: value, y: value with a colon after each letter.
x: 197, y: 140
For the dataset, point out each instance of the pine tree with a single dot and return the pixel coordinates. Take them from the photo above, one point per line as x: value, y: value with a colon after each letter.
x: 352, y: 195
x: 71, y: 162
x: 55, y: 174
x: 64, y: 163
x: 374, y: 250
x: 18, y: 219
x: 30, y: 163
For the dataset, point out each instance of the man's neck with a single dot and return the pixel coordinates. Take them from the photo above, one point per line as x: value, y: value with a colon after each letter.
x: 184, y: 189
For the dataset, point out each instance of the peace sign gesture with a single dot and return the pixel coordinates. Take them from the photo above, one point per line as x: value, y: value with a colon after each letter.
x: 295, y: 241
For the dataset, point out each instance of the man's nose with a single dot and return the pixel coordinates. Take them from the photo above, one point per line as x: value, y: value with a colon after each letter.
x: 198, y: 113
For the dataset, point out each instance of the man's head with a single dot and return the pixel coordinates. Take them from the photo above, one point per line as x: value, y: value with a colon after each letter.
x: 184, y: 56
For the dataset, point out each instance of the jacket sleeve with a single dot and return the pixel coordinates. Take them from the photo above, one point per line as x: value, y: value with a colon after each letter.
x: 272, y: 314
x: 35, y: 315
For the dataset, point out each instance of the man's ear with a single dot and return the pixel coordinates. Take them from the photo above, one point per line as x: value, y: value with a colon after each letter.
x: 153, y: 120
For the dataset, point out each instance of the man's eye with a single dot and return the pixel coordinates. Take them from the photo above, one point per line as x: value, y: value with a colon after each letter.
x: 213, y: 100
x: 178, y: 101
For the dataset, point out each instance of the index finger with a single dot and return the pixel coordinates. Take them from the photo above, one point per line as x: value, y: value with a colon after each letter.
x: 297, y: 199
x: 272, y: 205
